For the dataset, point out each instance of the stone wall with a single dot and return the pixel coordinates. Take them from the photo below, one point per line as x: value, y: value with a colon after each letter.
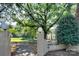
x: 4, y: 44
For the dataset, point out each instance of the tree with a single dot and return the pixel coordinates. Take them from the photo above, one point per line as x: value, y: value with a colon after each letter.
x: 67, y: 30
x: 41, y: 15
x: 77, y: 12
x: 36, y: 15
x: 77, y: 15
x: 4, y: 8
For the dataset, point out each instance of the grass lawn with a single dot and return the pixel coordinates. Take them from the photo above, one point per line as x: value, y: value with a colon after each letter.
x: 18, y: 40
x: 21, y: 40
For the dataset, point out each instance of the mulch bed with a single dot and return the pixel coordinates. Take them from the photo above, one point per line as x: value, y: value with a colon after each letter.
x: 62, y: 53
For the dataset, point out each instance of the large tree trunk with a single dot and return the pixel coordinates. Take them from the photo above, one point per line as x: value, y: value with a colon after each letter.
x: 77, y: 15
x: 77, y: 12
x: 45, y: 32
x: 45, y: 35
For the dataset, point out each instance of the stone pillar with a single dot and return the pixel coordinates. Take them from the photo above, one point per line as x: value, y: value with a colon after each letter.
x: 42, y: 46
x: 4, y: 44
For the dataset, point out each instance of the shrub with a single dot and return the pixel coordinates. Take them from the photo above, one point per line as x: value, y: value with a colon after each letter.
x: 67, y: 31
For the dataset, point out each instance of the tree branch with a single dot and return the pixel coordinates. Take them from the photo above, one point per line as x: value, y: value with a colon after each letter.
x: 4, y: 8
x: 56, y: 20
x: 20, y: 22
x: 31, y: 15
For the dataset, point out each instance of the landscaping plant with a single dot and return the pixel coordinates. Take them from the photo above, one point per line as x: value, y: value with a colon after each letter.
x: 67, y: 30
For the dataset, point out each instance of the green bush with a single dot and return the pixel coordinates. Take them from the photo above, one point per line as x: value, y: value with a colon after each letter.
x: 67, y: 31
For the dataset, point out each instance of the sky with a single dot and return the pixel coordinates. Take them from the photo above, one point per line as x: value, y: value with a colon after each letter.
x: 12, y: 23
